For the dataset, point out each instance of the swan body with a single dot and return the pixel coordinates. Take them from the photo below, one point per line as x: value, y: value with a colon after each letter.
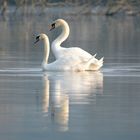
x: 82, y: 55
x: 69, y: 63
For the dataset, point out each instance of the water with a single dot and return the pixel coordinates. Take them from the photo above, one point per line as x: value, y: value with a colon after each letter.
x: 66, y: 105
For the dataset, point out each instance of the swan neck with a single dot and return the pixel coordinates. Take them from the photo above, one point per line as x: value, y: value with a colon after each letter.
x: 64, y: 34
x: 46, y: 50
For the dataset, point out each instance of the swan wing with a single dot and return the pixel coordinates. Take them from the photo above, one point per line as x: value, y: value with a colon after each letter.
x: 75, y: 52
x: 86, y: 61
x: 95, y: 64
x: 63, y: 64
x: 92, y: 64
x: 74, y: 63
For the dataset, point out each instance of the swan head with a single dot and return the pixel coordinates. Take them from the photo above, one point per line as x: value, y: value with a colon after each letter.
x: 41, y: 37
x: 57, y: 23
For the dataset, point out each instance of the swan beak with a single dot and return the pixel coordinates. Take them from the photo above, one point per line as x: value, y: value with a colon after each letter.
x: 36, y: 41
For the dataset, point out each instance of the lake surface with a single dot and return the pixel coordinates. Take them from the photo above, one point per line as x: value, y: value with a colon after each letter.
x: 103, y: 105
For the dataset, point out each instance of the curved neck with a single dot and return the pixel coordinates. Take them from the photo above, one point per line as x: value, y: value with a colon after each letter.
x: 64, y: 34
x: 46, y: 50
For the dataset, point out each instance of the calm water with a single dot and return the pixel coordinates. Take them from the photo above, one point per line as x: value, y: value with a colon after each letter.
x: 66, y: 105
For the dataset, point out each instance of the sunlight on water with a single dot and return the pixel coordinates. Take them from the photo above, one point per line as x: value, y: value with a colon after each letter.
x: 63, y: 89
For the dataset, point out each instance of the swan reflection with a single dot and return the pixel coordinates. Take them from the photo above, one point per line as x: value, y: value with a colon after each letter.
x: 63, y: 89
x: 46, y: 95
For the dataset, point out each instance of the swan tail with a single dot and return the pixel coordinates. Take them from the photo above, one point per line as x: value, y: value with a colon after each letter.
x: 97, y: 65
x: 101, y: 60
x: 91, y: 65
x: 94, y: 55
x: 85, y: 65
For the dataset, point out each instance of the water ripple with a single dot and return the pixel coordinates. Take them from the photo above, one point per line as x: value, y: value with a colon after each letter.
x: 122, y: 71
x: 21, y: 72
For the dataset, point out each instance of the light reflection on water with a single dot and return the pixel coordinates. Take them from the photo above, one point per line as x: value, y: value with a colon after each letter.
x: 31, y: 98
x: 63, y: 89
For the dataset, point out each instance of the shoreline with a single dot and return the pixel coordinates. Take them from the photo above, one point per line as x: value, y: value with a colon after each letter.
x: 73, y: 10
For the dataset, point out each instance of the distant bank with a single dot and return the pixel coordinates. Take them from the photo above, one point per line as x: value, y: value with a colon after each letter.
x: 96, y: 7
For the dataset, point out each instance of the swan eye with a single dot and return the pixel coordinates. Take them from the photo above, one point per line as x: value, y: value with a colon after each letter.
x: 37, y: 38
x: 52, y: 26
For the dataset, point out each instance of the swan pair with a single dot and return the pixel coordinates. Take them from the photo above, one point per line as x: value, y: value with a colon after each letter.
x: 67, y: 59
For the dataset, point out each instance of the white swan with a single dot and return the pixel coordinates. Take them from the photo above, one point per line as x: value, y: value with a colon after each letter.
x: 59, y: 51
x: 65, y: 63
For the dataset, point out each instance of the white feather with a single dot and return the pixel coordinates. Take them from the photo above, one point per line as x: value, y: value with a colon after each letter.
x: 81, y: 56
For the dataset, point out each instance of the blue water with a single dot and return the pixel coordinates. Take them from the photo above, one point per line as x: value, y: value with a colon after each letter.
x: 103, y: 105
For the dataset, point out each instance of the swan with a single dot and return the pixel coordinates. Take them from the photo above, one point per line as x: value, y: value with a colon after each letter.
x: 81, y: 54
x: 65, y: 63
